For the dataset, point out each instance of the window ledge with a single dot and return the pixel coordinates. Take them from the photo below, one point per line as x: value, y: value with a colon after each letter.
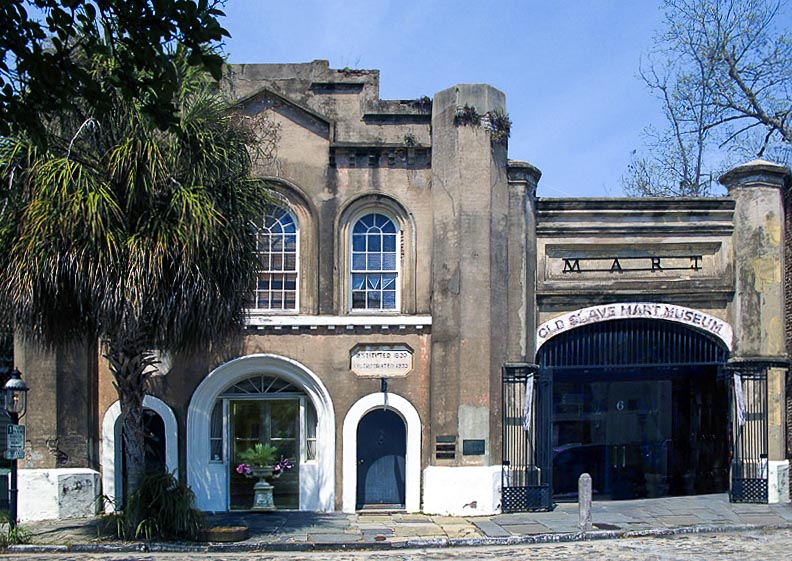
x: 400, y: 321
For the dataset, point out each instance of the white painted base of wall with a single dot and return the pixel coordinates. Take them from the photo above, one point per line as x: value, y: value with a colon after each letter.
x: 778, y: 482
x: 50, y: 494
x: 462, y: 491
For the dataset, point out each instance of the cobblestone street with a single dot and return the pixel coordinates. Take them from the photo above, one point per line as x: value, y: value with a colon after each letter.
x: 764, y: 545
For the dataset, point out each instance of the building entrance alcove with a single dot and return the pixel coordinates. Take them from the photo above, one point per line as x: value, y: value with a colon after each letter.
x: 642, y: 405
x: 381, y: 451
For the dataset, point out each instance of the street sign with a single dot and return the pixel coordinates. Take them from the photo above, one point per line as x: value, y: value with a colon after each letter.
x: 15, y: 442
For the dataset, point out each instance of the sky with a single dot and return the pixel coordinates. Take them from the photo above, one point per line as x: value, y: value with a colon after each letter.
x: 568, y: 68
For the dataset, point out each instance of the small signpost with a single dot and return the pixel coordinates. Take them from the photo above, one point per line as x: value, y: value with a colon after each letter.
x: 15, y: 442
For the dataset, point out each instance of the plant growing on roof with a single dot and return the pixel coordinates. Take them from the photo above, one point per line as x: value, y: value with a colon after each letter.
x: 467, y: 116
x: 498, y: 126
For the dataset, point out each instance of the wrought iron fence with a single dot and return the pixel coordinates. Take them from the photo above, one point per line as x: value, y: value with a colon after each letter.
x: 526, y: 477
x: 749, y: 424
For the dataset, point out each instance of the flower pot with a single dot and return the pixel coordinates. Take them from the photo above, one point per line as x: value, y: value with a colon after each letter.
x: 262, y: 498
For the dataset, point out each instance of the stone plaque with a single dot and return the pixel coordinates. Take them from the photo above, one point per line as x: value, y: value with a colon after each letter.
x: 381, y: 361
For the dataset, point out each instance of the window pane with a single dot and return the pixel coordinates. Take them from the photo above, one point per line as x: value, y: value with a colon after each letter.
x: 358, y: 281
x: 373, y: 300
x: 389, y: 299
x: 374, y: 262
x: 216, y: 432
x: 389, y: 242
x: 374, y: 243
x: 389, y: 262
x: 359, y: 262
x: 358, y: 242
x: 358, y: 300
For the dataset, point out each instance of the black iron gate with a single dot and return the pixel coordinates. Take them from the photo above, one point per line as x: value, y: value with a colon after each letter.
x: 527, y: 472
x: 748, y: 424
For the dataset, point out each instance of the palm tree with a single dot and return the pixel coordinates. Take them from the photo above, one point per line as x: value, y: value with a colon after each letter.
x: 139, y: 237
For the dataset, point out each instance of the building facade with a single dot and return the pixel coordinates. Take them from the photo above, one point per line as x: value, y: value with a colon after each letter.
x: 428, y: 335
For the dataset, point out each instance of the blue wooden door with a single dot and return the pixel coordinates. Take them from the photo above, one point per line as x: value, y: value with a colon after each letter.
x: 381, y: 447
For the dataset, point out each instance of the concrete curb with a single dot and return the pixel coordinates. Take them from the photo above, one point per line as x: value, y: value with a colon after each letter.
x: 418, y: 543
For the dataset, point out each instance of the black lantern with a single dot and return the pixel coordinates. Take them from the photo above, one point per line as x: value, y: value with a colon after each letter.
x: 15, y: 403
x: 15, y: 394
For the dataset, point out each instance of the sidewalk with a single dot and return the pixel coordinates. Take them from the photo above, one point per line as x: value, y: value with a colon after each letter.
x: 322, y: 531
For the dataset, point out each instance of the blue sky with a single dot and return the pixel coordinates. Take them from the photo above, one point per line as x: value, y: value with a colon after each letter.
x: 568, y: 69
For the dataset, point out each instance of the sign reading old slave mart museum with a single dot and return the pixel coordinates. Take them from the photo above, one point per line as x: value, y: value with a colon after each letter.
x: 606, y: 312
x: 381, y: 361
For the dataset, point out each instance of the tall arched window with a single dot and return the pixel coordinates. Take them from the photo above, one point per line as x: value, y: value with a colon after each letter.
x: 278, y: 244
x: 374, y: 268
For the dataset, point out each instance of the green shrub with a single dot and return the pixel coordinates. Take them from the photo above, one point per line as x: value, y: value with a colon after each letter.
x: 12, y: 537
x: 161, y: 508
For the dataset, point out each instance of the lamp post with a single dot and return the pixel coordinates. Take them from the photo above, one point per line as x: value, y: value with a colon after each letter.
x: 15, y: 399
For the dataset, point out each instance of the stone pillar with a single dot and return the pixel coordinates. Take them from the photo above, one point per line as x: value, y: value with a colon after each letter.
x: 521, y: 308
x: 61, y: 419
x: 757, y: 309
x: 470, y: 202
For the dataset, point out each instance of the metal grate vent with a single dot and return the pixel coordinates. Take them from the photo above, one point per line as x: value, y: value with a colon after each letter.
x: 445, y: 447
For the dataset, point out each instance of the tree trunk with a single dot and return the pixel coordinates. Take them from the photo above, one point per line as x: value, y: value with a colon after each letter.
x: 131, y: 369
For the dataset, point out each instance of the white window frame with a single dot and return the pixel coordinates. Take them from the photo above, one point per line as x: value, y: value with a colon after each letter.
x: 254, y: 309
x: 398, y: 270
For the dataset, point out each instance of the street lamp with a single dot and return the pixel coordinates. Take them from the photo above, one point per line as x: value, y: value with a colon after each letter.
x: 15, y: 403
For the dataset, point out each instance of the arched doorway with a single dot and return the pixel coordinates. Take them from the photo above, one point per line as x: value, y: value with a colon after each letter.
x: 161, y: 444
x: 381, y: 452
x: 640, y: 405
x: 261, y: 398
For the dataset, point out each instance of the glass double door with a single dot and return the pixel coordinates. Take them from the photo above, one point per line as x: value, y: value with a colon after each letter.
x: 267, y: 421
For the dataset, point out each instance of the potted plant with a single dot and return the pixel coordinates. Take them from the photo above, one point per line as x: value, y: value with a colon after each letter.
x: 258, y: 462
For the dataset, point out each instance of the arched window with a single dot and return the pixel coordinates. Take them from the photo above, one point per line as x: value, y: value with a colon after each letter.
x: 278, y: 243
x: 374, y: 268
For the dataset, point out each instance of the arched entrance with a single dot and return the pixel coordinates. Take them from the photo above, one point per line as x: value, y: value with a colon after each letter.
x: 381, y: 451
x: 406, y: 413
x: 269, y: 399
x: 161, y: 444
x: 639, y: 404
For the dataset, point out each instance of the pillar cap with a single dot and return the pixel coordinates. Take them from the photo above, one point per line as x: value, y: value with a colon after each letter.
x: 755, y: 173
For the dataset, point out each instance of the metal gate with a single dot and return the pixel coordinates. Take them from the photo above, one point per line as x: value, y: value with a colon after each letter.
x: 748, y: 423
x: 526, y: 476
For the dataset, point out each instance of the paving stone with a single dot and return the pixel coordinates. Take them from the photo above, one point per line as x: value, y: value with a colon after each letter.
x: 335, y: 538
x: 525, y: 529
x: 679, y: 520
x: 491, y: 529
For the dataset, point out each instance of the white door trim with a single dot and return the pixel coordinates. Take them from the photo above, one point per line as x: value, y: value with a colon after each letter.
x: 111, y: 432
x: 209, y: 480
x: 412, y: 460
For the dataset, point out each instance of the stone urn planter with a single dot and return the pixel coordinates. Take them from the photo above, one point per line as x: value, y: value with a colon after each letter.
x: 262, y: 490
